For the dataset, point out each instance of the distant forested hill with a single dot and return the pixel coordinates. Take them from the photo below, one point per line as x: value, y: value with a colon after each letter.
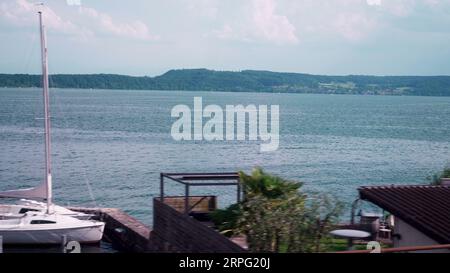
x: 247, y: 80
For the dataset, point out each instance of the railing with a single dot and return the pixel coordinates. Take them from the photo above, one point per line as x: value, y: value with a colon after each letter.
x: 187, y: 180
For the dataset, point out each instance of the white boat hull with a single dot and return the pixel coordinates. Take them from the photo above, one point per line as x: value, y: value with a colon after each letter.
x: 90, y: 234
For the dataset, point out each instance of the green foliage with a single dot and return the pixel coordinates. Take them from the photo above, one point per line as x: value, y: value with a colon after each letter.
x: 310, y: 231
x: 446, y: 173
x: 269, y: 186
x: 246, y: 80
x: 276, y: 217
x: 226, y: 219
x: 436, y: 178
x: 291, y: 224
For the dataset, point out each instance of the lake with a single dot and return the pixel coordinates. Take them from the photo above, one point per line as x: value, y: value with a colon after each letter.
x: 109, y: 146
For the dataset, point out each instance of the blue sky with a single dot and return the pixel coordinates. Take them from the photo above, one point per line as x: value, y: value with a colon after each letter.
x: 149, y: 37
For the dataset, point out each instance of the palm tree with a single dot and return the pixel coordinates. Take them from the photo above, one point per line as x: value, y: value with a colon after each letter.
x: 275, y: 216
x: 267, y: 185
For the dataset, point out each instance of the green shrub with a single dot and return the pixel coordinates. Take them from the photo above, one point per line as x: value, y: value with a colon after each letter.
x: 436, y: 178
x: 226, y: 219
x: 276, y: 217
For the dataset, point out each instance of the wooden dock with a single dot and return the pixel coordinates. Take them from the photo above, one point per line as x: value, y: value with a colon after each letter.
x: 173, y: 229
x: 125, y: 232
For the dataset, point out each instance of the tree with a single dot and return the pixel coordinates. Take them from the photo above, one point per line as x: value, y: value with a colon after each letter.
x: 276, y: 216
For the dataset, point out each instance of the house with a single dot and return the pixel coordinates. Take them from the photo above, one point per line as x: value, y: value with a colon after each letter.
x: 421, y: 213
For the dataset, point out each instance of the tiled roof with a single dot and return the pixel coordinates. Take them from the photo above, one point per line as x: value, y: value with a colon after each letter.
x: 426, y: 208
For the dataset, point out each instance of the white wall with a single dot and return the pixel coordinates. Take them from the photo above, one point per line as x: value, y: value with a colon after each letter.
x: 412, y: 237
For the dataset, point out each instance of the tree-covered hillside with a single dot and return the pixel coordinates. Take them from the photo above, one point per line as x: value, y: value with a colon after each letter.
x: 247, y: 80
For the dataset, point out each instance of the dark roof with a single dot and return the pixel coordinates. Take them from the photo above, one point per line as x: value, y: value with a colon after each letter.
x: 426, y: 208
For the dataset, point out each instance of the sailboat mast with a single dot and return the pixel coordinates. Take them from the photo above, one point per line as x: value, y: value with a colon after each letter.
x: 45, y: 85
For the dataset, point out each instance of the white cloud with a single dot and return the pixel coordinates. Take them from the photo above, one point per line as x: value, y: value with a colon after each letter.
x: 400, y: 8
x: 260, y: 22
x: 354, y: 26
x: 271, y: 26
x: 373, y: 2
x: 284, y: 21
x: 225, y: 33
x: 206, y: 8
x: 86, y: 23
x: 403, y: 8
x: 104, y: 23
x: 350, y: 20
x: 23, y: 14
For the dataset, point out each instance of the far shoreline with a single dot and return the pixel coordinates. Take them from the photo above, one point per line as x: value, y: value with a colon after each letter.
x: 227, y: 92
x: 252, y: 81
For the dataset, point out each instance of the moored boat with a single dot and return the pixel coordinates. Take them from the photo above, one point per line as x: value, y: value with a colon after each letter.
x: 34, y: 222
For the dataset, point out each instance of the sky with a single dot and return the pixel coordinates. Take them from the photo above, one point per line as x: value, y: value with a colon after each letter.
x: 150, y: 37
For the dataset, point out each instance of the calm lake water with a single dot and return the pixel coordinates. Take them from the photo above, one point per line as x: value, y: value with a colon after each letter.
x: 110, y: 146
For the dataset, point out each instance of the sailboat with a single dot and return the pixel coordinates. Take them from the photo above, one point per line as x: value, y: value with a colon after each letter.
x: 32, y: 221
